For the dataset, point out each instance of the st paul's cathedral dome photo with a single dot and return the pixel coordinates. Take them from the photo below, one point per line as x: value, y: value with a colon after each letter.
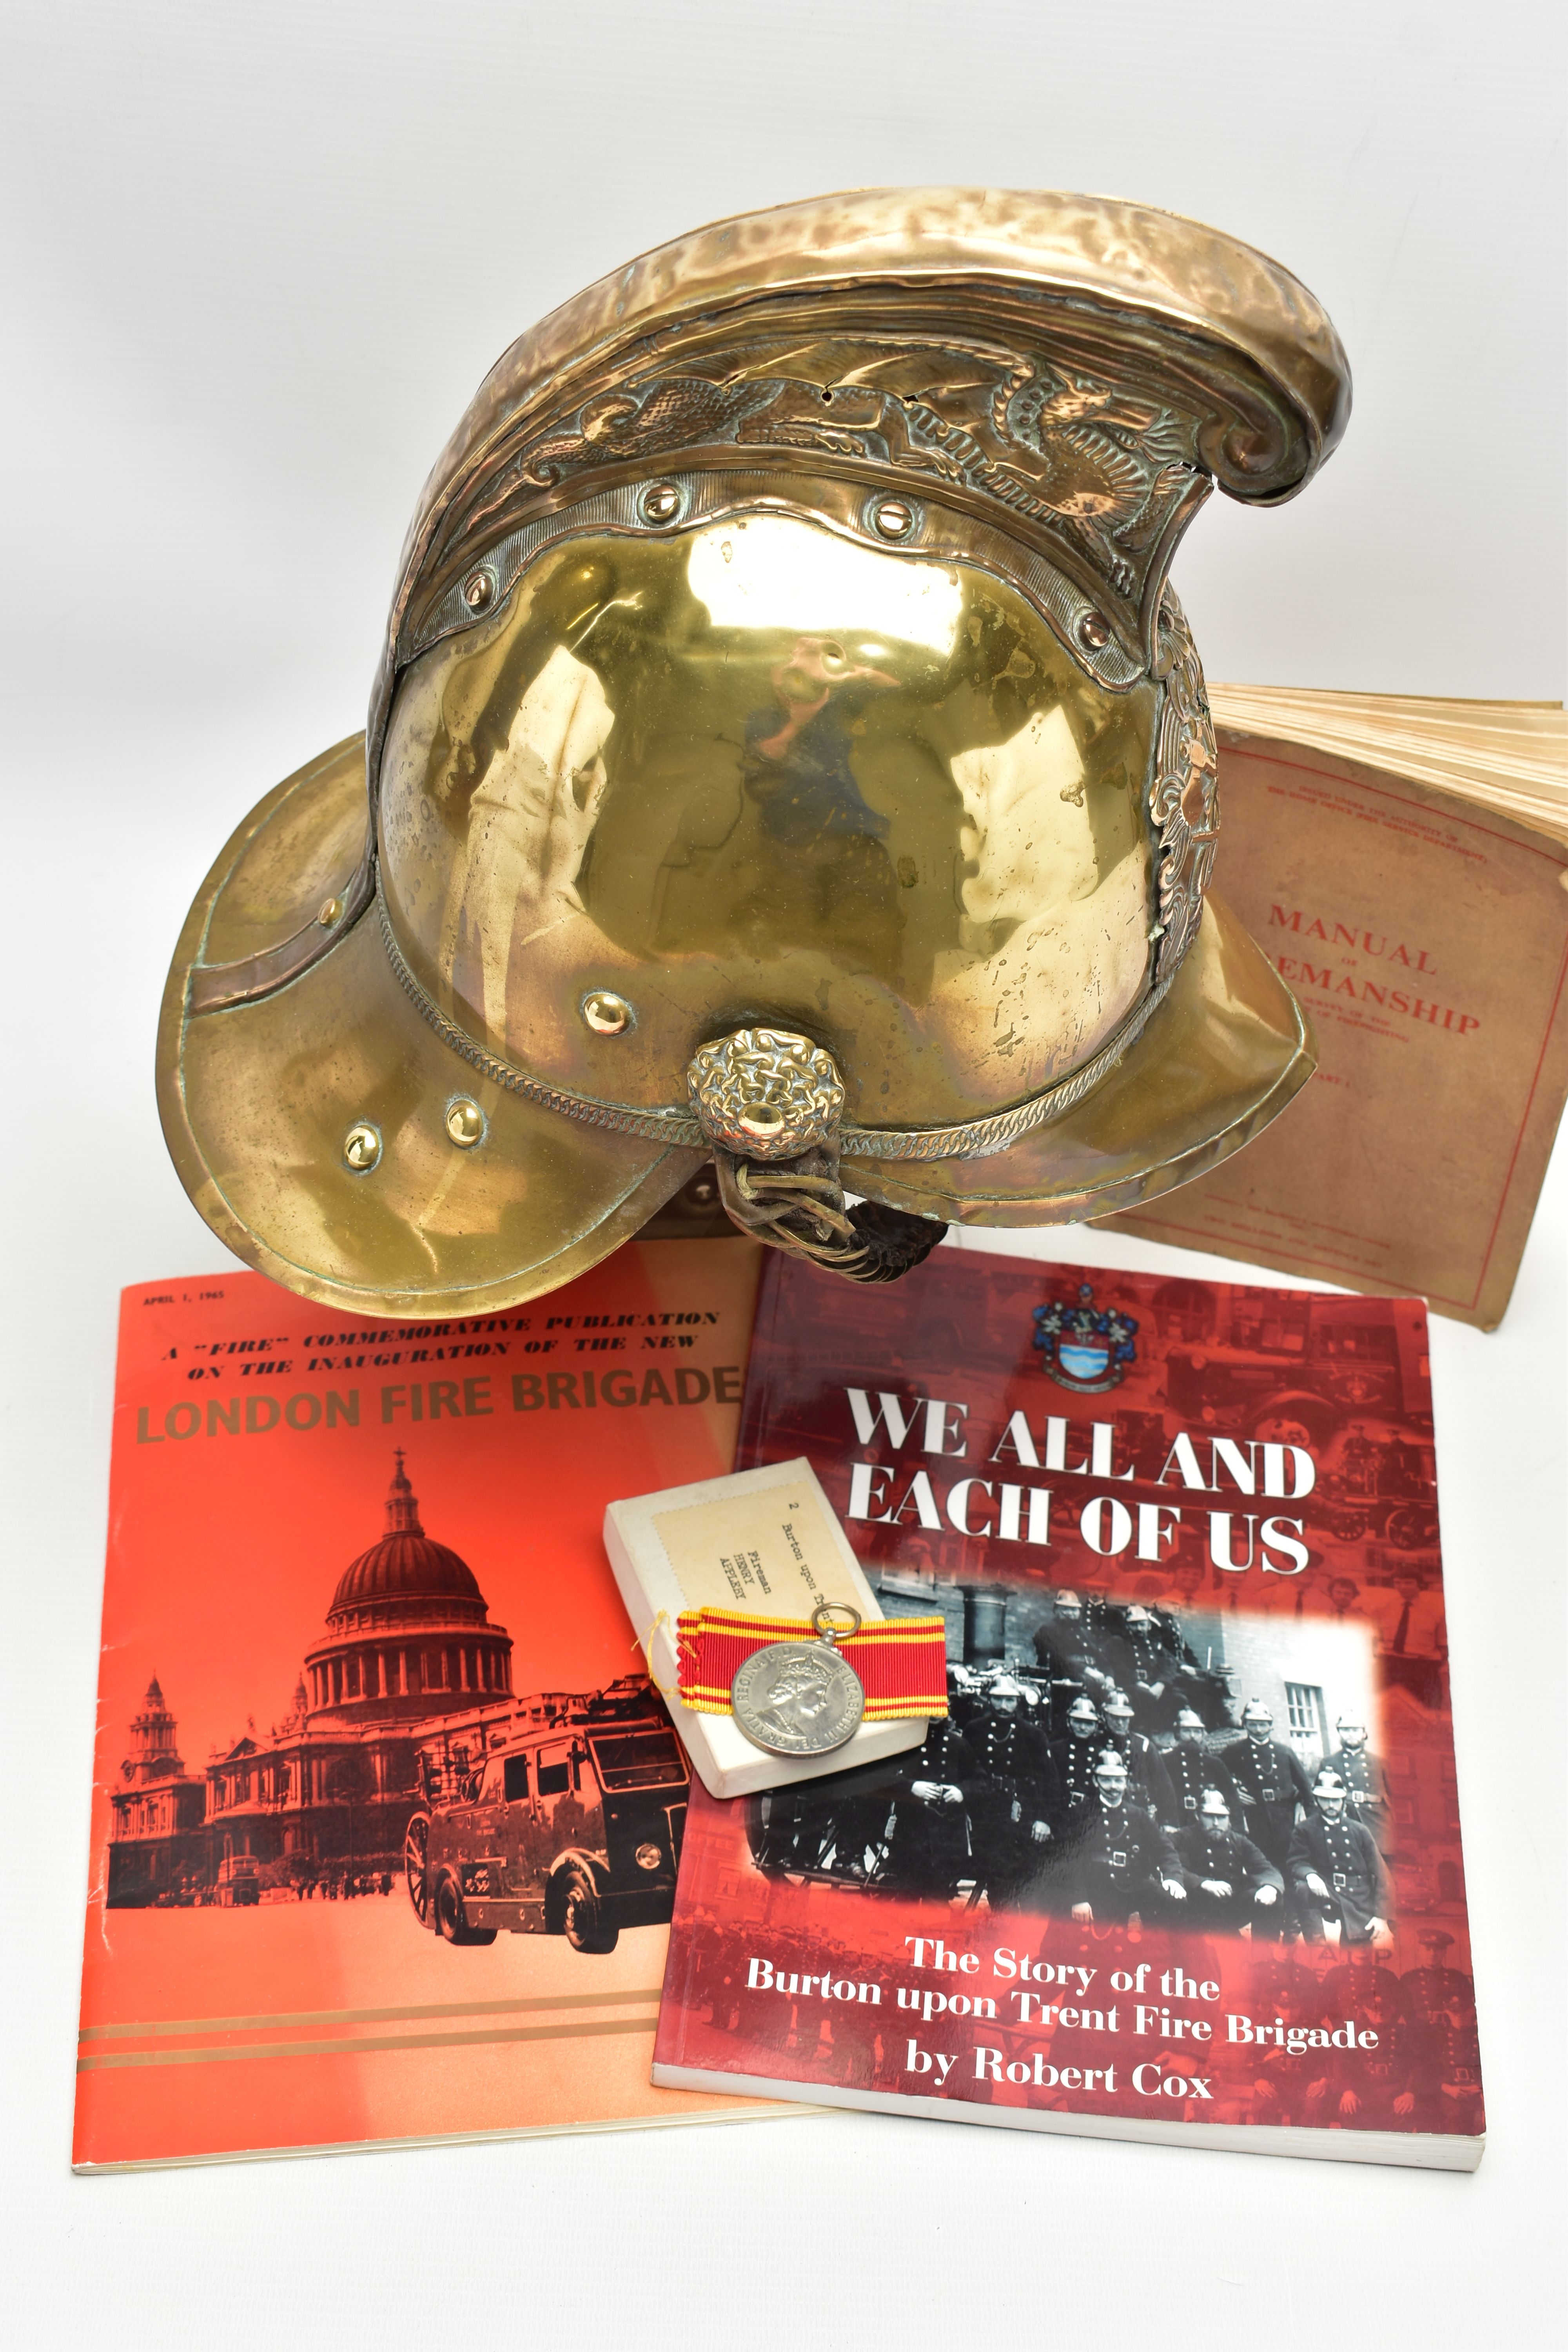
x: 325, y: 1798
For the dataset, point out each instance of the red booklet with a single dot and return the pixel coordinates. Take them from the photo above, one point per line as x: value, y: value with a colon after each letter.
x: 1183, y: 1864
x: 386, y: 1813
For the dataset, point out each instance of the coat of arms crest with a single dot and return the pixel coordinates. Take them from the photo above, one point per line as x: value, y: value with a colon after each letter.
x: 1084, y: 1347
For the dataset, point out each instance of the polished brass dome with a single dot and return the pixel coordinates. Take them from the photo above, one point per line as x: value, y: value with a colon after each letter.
x: 784, y: 650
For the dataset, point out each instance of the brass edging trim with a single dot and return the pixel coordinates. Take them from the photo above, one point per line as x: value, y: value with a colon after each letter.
x: 732, y: 487
x: 214, y: 986
x: 975, y: 1138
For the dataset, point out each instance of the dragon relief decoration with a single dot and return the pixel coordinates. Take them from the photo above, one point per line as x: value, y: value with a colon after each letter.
x: 974, y: 421
x: 1090, y: 464
x: 1184, y: 798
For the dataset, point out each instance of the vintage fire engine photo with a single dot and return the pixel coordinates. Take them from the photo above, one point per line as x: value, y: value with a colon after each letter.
x: 406, y: 1762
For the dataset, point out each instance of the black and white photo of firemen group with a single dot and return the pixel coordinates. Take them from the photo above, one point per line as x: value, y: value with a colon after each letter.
x: 1118, y: 1779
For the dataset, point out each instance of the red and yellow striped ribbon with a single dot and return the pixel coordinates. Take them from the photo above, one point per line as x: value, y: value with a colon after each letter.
x: 901, y: 1661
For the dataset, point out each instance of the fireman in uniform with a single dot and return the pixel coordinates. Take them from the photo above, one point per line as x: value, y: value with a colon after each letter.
x: 1203, y: 1687
x: 1427, y: 1990
x: 1017, y: 1799
x: 1290, y: 2085
x: 1137, y: 1751
x: 1362, y: 1977
x: 1073, y: 1758
x: 1413, y: 1640
x: 1366, y: 1783
x: 1068, y: 1653
x: 788, y: 1829
x: 1270, y: 1782
x: 1182, y: 1773
x: 1374, y: 2087
x: 926, y: 1835
x: 1448, y: 2069
x: 1151, y: 1670
x: 1336, y: 1870
x: 1230, y: 1880
x: 1118, y: 1863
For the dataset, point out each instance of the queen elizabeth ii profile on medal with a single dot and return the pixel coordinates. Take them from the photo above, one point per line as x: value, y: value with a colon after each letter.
x: 797, y: 1698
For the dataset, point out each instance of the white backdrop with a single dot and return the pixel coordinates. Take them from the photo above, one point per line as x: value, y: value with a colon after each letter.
x: 257, y: 257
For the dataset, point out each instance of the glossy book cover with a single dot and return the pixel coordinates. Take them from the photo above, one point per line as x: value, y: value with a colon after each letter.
x: 1184, y: 1861
x: 386, y: 1813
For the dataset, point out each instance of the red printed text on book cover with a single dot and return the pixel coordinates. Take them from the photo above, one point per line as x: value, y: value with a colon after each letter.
x: 1187, y: 1852
x: 386, y: 1813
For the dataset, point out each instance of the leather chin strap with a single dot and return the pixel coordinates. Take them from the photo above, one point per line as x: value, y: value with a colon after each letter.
x: 798, y: 1206
x: 771, y: 1104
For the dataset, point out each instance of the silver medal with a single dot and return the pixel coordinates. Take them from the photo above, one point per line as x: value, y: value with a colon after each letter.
x: 801, y: 1698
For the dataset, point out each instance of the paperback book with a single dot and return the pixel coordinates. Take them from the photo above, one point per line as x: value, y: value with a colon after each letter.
x: 1184, y: 1861
x: 386, y: 1812
x: 1402, y: 862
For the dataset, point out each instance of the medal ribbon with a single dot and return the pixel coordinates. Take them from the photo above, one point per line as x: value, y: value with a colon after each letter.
x: 901, y: 1661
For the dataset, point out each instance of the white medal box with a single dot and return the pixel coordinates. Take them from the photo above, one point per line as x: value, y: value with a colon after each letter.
x: 766, y: 1542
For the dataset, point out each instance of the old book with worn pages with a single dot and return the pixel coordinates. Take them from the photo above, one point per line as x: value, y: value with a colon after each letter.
x: 1403, y: 862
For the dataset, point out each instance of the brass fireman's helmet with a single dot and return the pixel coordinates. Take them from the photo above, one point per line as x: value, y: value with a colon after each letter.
x: 787, y: 751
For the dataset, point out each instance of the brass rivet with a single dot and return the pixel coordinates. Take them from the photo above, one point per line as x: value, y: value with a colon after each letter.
x: 894, y: 518
x: 478, y: 590
x: 361, y: 1148
x: 608, y: 1014
x: 661, y: 502
x: 1094, y: 631
x: 331, y: 908
x: 465, y: 1123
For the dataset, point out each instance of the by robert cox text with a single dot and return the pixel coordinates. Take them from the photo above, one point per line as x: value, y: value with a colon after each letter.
x: 1177, y: 2013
